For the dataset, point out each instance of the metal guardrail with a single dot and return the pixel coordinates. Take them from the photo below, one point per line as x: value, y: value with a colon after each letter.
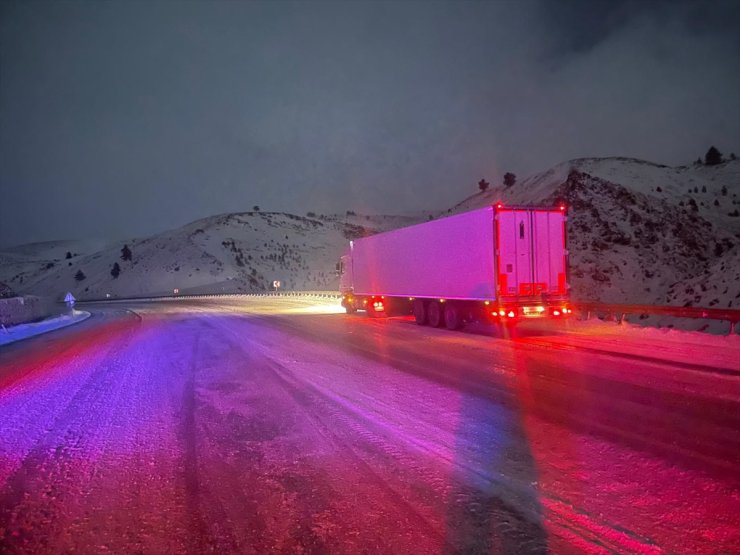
x: 620, y: 311
x: 150, y: 298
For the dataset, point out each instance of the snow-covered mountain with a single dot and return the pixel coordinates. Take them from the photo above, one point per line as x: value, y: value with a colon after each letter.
x: 638, y: 232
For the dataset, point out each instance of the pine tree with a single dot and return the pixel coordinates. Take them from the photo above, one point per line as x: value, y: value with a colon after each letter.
x: 125, y: 253
x: 483, y: 184
x: 115, y: 271
x: 80, y: 275
x: 713, y: 157
x: 69, y: 255
x: 509, y: 179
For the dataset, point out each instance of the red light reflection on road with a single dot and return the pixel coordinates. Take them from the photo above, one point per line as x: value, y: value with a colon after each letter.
x: 57, y: 357
x: 591, y: 484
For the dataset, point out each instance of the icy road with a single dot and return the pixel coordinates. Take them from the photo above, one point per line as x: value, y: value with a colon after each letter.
x: 278, y: 425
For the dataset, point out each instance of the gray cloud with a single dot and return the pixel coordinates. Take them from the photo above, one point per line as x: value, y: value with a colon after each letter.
x: 121, y: 118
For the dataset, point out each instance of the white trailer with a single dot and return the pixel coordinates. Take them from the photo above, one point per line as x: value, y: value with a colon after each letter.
x: 499, y: 262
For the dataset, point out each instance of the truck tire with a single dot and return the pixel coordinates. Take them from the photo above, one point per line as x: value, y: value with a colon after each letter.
x: 434, y: 314
x: 453, y: 318
x: 420, y: 312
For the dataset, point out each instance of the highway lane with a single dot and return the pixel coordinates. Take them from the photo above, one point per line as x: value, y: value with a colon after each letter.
x: 276, y: 425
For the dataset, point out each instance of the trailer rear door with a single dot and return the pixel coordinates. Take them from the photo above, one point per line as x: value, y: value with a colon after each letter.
x: 531, y: 253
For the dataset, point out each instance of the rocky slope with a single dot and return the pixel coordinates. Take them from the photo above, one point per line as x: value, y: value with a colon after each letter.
x: 640, y: 232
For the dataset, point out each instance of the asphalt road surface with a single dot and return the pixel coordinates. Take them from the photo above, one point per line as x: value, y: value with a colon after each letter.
x: 264, y: 425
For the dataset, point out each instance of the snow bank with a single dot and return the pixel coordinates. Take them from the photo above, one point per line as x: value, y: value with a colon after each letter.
x: 24, y: 331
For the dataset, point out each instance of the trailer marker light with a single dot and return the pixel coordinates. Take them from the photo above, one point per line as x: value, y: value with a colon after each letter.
x: 556, y: 313
x: 502, y: 313
x: 486, y: 303
x: 562, y: 207
x: 511, y: 314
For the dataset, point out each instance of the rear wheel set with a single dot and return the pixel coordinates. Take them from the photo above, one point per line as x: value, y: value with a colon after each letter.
x: 437, y: 314
x: 453, y: 318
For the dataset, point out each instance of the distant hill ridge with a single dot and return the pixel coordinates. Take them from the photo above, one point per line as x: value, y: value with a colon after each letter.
x: 639, y: 232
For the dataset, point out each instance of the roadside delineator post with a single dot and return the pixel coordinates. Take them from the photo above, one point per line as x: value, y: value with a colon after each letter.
x: 69, y: 298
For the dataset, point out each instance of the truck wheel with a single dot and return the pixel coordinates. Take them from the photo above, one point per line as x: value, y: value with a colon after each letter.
x: 453, y: 319
x: 434, y: 314
x: 420, y: 312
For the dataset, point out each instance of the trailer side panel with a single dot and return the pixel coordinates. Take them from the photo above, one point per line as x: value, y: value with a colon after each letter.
x: 451, y: 258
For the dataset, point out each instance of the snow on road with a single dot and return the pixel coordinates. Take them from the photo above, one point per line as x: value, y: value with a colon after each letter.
x: 277, y: 424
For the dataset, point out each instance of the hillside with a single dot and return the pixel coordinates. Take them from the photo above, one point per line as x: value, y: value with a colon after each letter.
x: 241, y: 252
x: 639, y: 232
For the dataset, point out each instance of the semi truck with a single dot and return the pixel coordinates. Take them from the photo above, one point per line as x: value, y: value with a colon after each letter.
x: 500, y: 263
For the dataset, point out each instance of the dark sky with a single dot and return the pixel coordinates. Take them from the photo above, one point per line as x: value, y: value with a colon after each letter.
x: 123, y: 118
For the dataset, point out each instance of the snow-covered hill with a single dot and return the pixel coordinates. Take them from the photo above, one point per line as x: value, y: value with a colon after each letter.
x: 240, y: 252
x: 639, y: 233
